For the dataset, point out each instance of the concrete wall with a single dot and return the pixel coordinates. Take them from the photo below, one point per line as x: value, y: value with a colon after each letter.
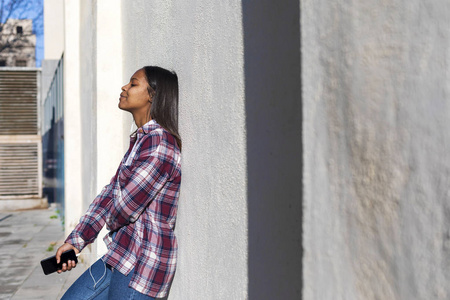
x: 72, y: 116
x: 375, y: 101
x: 239, y: 222
x: 373, y: 112
x: 273, y: 137
x: 202, y: 42
x: 112, y: 124
x: 53, y: 29
x: 93, y: 117
x: 88, y: 101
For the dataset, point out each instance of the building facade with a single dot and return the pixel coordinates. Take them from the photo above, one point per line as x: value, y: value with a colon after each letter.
x: 314, y: 139
x: 17, y: 43
x: 20, y: 139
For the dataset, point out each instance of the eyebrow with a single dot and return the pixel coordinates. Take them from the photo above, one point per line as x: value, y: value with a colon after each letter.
x: 134, y: 78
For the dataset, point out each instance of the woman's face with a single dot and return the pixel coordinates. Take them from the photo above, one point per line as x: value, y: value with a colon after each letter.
x: 134, y: 97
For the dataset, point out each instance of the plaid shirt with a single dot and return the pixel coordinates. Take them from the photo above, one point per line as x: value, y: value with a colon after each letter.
x: 140, y: 205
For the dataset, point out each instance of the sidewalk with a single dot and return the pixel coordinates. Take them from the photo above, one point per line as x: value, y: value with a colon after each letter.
x: 26, y: 237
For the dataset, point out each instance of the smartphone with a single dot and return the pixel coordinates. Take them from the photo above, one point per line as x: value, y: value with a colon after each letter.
x: 49, y: 264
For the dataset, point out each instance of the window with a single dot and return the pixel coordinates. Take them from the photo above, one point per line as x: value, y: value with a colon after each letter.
x: 21, y: 63
x: 19, y: 29
x: 2, y: 63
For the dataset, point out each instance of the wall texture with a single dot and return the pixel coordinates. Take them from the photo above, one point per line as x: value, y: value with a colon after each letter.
x: 375, y: 92
x: 112, y: 124
x: 93, y: 119
x: 72, y: 116
x: 371, y: 86
x: 88, y: 99
x: 239, y: 222
x: 202, y: 42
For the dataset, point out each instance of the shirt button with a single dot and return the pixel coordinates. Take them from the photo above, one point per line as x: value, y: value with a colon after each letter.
x: 132, y: 219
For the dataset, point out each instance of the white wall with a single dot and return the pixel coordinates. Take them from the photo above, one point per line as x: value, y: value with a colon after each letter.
x: 88, y: 99
x: 112, y: 123
x: 53, y: 29
x: 376, y: 114
x: 239, y: 221
x: 72, y: 116
x: 202, y: 42
x: 92, y: 119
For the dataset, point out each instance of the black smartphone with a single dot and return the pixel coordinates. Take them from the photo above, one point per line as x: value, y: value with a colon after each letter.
x: 49, y: 264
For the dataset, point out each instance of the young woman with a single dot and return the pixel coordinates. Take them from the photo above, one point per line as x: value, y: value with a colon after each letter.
x: 139, y: 205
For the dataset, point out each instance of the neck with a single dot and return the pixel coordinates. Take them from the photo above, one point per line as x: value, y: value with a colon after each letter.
x: 140, y: 120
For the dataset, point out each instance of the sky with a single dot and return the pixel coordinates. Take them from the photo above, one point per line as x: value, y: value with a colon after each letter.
x: 29, y: 9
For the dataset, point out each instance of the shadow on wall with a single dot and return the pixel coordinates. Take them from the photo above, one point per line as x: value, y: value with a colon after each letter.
x: 274, y: 149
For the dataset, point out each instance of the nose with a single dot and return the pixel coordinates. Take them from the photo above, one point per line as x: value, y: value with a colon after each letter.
x: 126, y: 86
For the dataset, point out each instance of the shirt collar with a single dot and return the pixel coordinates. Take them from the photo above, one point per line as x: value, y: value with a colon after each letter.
x: 147, y: 127
x: 143, y: 130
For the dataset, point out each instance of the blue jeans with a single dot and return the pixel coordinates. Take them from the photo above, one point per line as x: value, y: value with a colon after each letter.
x: 101, y: 282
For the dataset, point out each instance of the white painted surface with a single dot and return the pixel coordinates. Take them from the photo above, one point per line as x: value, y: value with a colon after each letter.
x: 376, y: 112
x: 229, y: 83
x: 72, y: 116
x: 53, y: 29
x: 202, y: 42
x: 102, y: 123
x: 88, y: 106
x: 111, y: 146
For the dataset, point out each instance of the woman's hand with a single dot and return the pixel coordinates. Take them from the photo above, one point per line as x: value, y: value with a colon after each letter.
x: 70, y: 264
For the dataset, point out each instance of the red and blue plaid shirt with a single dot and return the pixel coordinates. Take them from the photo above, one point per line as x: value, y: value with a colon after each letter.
x: 140, y: 205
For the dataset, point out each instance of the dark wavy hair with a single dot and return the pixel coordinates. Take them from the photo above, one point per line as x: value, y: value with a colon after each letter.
x: 163, y: 88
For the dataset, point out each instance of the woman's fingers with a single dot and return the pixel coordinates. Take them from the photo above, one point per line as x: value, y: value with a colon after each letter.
x: 62, y: 249
x: 63, y: 269
x: 69, y: 265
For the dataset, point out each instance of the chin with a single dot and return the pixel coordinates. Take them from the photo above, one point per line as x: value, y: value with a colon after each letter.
x: 123, y: 108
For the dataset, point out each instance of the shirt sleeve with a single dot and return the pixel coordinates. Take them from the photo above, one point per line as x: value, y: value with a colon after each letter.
x: 92, y: 221
x: 139, y: 184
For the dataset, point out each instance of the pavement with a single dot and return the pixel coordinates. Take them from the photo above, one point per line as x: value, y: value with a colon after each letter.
x: 27, y: 237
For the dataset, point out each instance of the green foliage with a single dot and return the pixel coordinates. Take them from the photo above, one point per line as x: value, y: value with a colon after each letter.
x: 51, y: 248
